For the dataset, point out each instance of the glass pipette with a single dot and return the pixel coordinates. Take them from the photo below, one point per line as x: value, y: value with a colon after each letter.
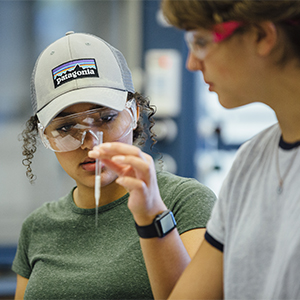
x: 98, y: 177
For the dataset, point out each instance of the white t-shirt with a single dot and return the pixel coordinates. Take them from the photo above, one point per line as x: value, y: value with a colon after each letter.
x: 259, y: 228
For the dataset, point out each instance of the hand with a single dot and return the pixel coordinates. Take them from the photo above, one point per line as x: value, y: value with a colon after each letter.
x: 137, y: 174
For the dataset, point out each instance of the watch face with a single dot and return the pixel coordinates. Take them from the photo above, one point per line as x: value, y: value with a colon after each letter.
x: 167, y: 223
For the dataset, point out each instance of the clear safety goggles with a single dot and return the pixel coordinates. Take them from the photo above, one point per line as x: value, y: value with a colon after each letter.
x: 70, y: 132
x: 200, y: 41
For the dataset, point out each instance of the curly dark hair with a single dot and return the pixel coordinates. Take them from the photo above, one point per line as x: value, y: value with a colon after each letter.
x: 141, y: 134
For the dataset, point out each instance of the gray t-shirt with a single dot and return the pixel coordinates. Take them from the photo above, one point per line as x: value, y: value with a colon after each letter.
x: 66, y: 257
x: 259, y: 228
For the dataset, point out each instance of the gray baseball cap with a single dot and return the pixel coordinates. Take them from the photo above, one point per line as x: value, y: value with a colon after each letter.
x: 79, y: 68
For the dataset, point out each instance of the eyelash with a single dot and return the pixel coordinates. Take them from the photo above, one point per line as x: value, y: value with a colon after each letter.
x: 62, y: 128
x: 102, y: 119
x: 108, y: 118
x: 201, y: 42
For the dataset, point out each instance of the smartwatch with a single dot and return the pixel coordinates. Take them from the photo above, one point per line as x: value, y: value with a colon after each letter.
x: 160, y: 227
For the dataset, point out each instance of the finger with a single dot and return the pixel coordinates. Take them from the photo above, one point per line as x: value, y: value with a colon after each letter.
x: 111, y: 165
x: 117, y: 148
x: 140, y: 165
x: 131, y: 183
x: 99, y: 153
x: 143, y: 170
x: 95, y: 153
x: 120, y: 170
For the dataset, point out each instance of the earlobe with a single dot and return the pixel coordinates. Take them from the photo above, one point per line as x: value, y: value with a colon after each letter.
x: 267, y: 38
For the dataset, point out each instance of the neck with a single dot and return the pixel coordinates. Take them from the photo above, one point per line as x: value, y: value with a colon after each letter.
x: 290, y: 127
x: 284, y: 98
x: 84, y: 197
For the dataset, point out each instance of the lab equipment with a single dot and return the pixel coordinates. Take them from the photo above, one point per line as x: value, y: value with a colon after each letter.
x: 67, y: 133
x: 98, y: 177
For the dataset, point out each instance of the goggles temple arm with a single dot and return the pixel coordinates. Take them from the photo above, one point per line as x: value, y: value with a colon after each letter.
x: 223, y: 30
x: 43, y: 137
x: 132, y: 109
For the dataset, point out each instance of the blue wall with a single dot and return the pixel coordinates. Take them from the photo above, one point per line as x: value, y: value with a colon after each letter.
x: 157, y: 36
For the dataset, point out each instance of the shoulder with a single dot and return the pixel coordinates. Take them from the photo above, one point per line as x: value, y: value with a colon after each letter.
x: 243, y: 181
x: 255, y: 149
x: 177, y: 188
x: 47, y: 210
x: 164, y: 177
x: 261, y: 140
x: 190, y: 201
x: 172, y: 182
x: 251, y: 157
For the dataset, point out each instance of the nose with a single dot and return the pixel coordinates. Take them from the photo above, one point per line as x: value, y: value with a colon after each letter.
x: 89, y: 140
x: 193, y: 63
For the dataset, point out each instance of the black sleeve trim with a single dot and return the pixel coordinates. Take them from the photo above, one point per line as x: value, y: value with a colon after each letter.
x: 213, y: 242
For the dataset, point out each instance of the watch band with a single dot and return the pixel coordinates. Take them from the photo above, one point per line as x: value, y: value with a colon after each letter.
x: 160, y: 227
x: 146, y: 232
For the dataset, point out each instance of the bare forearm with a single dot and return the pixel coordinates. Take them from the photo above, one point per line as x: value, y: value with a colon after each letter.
x: 165, y: 258
x: 203, y: 278
x: 21, y: 287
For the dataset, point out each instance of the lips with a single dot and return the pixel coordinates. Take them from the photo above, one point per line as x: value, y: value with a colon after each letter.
x: 89, y: 164
x: 210, y: 85
x: 88, y: 161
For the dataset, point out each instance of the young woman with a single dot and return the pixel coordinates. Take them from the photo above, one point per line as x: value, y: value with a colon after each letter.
x: 81, y: 86
x: 249, y: 51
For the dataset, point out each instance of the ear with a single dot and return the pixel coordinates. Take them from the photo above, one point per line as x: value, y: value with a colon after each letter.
x: 267, y: 37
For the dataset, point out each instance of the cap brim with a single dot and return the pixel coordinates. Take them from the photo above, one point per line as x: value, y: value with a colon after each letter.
x: 112, y: 98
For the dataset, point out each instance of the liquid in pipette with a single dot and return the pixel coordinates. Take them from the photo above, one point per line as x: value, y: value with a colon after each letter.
x: 98, y: 178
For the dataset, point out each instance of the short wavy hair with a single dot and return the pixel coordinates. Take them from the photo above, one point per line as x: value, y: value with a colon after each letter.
x: 285, y: 14
x: 141, y: 134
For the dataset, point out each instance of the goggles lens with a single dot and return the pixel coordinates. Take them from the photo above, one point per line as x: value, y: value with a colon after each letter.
x: 199, y: 40
x: 69, y: 133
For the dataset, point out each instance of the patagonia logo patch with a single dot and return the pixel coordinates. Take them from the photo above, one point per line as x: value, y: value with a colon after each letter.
x: 75, y: 69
